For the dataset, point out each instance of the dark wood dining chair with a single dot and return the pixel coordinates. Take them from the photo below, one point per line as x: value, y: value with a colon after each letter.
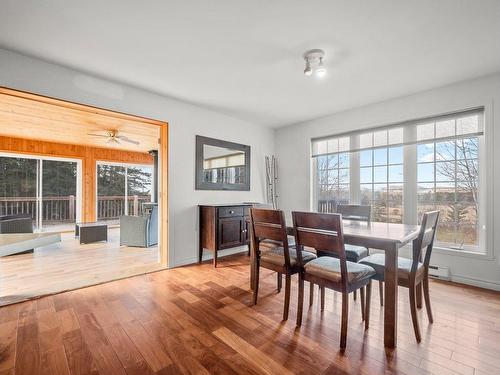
x: 354, y: 253
x: 325, y: 232
x: 413, y: 273
x: 269, y: 228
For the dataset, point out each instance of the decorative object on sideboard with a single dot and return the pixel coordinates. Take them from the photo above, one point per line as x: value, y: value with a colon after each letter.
x: 222, y: 165
x: 272, y: 181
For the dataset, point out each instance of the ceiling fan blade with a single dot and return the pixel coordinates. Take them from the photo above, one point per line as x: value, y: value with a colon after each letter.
x: 127, y: 139
x: 98, y: 135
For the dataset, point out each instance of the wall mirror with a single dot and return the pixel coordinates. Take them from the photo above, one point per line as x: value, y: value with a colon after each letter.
x: 221, y: 165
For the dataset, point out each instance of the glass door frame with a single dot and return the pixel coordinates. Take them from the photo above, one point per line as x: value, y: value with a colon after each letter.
x: 39, y: 182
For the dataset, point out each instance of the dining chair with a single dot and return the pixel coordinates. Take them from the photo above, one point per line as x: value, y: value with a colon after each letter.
x: 354, y: 253
x: 269, y: 227
x: 413, y: 272
x: 325, y: 232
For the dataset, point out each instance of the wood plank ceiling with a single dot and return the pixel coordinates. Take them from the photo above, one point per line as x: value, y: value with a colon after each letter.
x: 23, y: 117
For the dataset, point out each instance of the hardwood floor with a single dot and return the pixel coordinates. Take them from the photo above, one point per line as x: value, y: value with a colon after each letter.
x: 198, y: 319
x: 68, y: 265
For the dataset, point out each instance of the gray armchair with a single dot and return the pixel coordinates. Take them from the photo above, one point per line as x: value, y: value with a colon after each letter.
x: 140, y: 231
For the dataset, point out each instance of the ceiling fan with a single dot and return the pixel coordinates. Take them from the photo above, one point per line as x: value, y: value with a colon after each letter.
x: 113, y: 136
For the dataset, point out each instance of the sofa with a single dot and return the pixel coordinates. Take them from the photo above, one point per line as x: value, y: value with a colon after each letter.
x: 140, y: 231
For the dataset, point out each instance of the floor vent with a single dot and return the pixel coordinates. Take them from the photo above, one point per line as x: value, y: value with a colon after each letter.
x: 439, y: 272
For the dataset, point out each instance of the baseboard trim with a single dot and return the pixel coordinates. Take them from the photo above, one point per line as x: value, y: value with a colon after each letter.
x: 207, y: 255
x: 485, y: 284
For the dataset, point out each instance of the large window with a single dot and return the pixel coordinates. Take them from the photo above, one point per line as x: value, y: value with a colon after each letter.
x: 121, y: 190
x: 45, y: 189
x: 332, y: 171
x: 448, y: 179
x: 381, y: 174
x: 405, y: 170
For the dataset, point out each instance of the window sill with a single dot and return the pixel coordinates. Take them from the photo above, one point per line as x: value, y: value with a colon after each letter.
x: 463, y: 253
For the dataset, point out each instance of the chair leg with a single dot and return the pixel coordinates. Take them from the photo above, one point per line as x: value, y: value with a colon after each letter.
x: 288, y: 286
x: 413, y: 309
x: 322, y: 298
x: 343, y: 327
x: 381, y: 292
x: 311, y: 294
x: 300, y: 302
x: 362, y: 296
x: 355, y: 295
x: 367, y: 308
x: 419, y: 295
x: 427, y: 298
x: 256, y: 282
x: 280, y: 281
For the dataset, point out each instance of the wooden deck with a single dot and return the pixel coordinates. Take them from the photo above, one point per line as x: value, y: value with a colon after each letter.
x: 198, y: 319
x: 68, y: 265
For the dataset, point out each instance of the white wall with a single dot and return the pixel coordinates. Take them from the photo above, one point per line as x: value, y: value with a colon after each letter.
x: 293, y: 152
x: 186, y: 121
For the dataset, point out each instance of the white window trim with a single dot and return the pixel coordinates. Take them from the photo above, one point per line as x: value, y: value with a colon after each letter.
x: 486, y: 223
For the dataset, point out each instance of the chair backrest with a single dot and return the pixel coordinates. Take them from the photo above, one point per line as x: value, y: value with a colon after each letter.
x: 269, y: 225
x: 322, y: 232
x: 425, y: 239
x: 355, y: 212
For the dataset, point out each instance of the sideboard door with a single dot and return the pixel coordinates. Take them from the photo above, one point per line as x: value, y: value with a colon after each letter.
x: 231, y: 232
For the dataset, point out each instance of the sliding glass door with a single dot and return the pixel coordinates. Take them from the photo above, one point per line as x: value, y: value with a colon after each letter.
x: 45, y: 189
x: 58, y: 194
x: 121, y: 190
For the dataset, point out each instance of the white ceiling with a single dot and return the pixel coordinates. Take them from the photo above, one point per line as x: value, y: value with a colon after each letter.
x: 243, y: 57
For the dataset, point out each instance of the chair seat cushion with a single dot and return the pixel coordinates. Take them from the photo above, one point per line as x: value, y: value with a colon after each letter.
x: 329, y: 268
x: 277, y: 256
x: 271, y: 244
x: 377, y: 262
x: 353, y: 253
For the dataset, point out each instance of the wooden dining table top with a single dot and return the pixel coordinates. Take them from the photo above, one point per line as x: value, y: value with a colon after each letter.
x: 375, y: 234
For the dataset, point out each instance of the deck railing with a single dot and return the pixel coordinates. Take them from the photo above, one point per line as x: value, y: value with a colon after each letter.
x: 63, y: 209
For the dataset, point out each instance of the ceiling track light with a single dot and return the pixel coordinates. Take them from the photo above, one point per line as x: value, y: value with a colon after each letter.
x: 314, y: 63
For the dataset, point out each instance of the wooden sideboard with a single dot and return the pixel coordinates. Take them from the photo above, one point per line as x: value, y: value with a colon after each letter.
x: 223, y: 226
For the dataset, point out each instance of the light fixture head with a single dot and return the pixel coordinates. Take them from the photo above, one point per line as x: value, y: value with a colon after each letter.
x: 308, y: 71
x: 314, y: 63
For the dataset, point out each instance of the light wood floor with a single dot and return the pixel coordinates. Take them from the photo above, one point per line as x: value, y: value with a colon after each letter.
x: 197, y: 319
x: 68, y: 265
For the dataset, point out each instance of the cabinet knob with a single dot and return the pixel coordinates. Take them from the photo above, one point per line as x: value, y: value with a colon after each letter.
x: 231, y: 212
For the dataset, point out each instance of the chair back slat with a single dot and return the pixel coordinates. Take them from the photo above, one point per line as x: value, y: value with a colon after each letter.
x: 355, y: 212
x: 323, y: 232
x: 425, y: 239
x: 269, y: 225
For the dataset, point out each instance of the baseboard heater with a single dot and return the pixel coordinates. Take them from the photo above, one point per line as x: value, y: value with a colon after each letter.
x: 438, y: 272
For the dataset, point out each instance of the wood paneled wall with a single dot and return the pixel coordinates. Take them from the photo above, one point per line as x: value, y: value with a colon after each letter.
x: 89, y: 157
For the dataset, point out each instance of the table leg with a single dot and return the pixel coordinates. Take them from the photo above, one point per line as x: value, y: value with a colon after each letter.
x: 391, y: 297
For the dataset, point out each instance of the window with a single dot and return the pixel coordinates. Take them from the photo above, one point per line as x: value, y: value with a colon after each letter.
x: 381, y: 175
x: 332, y: 171
x: 407, y: 169
x: 121, y: 190
x: 448, y: 180
x: 46, y: 189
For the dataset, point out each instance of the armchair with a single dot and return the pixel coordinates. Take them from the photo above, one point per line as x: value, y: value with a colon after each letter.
x: 140, y: 231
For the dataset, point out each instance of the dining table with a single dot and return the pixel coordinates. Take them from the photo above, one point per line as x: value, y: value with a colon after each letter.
x: 388, y: 237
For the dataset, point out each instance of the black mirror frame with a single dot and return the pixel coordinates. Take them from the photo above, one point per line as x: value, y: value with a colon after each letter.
x: 202, y: 185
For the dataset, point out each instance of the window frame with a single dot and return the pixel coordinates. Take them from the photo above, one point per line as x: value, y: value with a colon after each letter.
x: 410, y: 190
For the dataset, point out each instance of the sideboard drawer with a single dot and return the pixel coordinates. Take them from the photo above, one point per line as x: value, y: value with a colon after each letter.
x: 231, y: 211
